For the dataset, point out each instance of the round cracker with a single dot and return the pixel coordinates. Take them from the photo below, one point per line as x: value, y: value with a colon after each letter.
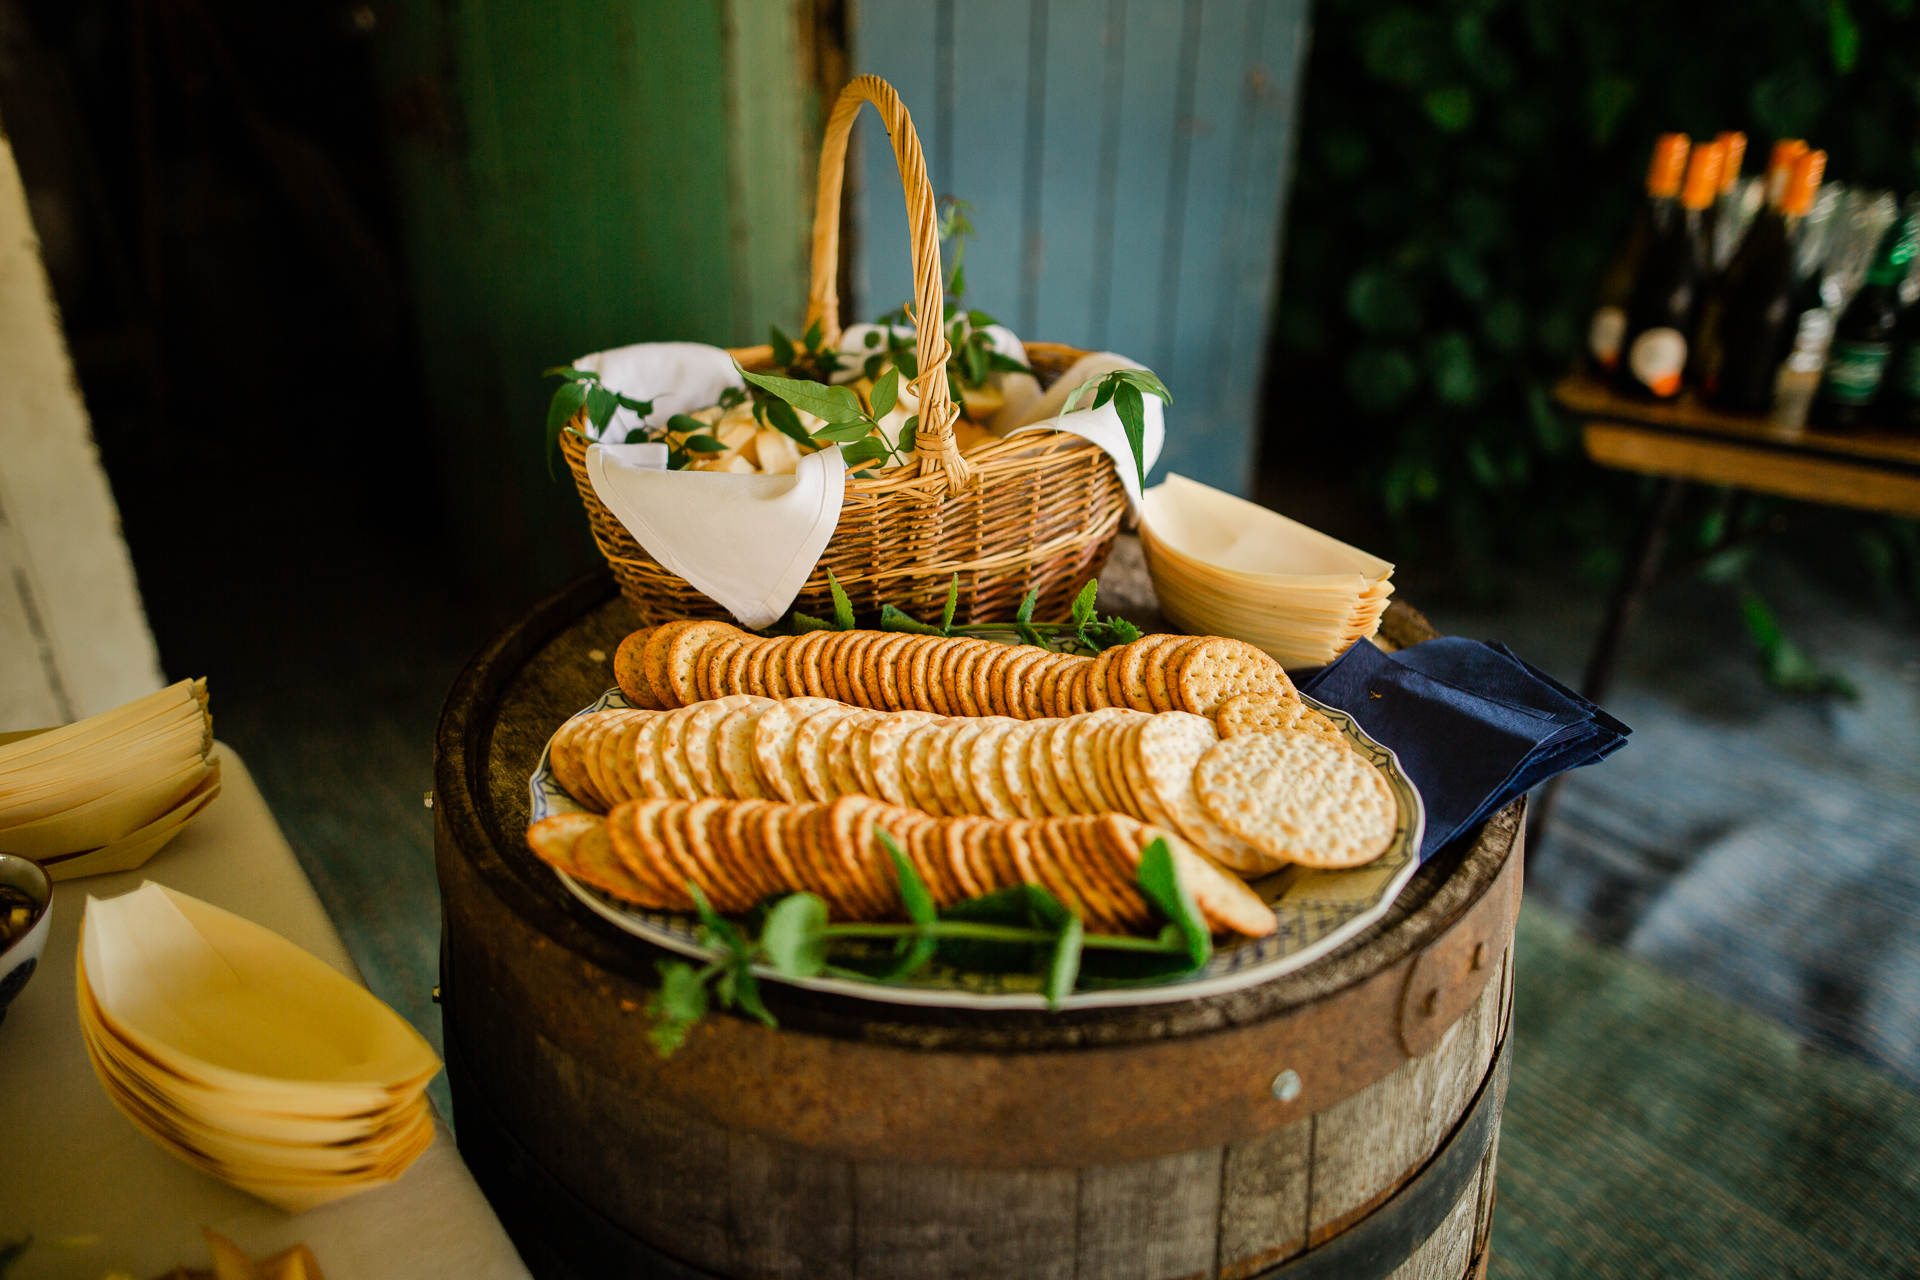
x: 630, y: 672
x: 1168, y: 751
x: 984, y: 777
x: 1156, y: 674
x: 684, y: 658
x: 1298, y: 799
x: 733, y: 747
x: 1217, y: 669
x: 1049, y: 800
x: 949, y: 770
x: 923, y: 744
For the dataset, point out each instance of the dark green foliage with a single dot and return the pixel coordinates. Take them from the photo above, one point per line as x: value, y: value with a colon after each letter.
x: 1466, y: 168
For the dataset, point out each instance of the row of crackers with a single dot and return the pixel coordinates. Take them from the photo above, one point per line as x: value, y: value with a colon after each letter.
x: 742, y: 852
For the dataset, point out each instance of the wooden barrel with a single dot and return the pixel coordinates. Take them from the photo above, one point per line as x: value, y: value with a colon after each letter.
x: 1341, y: 1120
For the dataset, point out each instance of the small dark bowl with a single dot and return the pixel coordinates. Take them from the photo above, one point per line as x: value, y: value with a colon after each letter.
x: 19, y: 958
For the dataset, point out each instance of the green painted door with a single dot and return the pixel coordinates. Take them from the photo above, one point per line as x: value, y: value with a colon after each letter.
x: 577, y: 175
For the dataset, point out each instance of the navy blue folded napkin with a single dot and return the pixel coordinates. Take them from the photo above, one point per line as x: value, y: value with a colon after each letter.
x: 1474, y: 725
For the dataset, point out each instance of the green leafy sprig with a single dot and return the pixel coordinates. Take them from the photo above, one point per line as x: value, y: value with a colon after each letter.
x: 1020, y: 930
x: 848, y: 423
x: 972, y: 359
x: 582, y: 387
x: 1127, y: 389
x: 1083, y: 627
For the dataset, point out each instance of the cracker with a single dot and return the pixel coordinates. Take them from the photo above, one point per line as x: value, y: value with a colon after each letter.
x: 1048, y: 799
x: 592, y: 764
x: 886, y: 666
x: 949, y: 769
x: 618, y: 765
x: 802, y: 680
x: 1298, y: 799
x: 923, y: 676
x: 955, y: 675
x: 649, y: 777
x: 1262, y: 713
x: 564, y: 759
x: 552, y: 838
x: 844, y: 656
x: 850, y: 823
x: 1081, y: 745
x: 1059, y: 760
x: 927, y: 850
x: 699, y: 743
x: 1093, y: 689
x: 734, y: 678
x: 723, y: 885
x: 836, y: 753
x: 1108, y: 747
x: 1015, y: 774
x: 653, y: 661
x: 738, y: 836
x: 1217, y: 669
x: 1223, y: 898
x: 991, y: 686
x: 985, y: 781
x: 886, y: 752
x: 680, y: 863
x: 733, y: 751
x: 773, y: 737
x: 1115, y: 865
x: 670, y: 753
x: 809, y: 758
x: 1156, y: 674
x: 1167, y: 751
x: 1024, y: 674
x: 766, y: 669
x: 711, y: 658
x: 1058, y: 865
x: 630, y: 673
x: 1126, y: 678
x: 684, y: 658
x: 923, y: 746
x: 635, y: 829
x: 860, y: 748
x: 595, y: 863
x: 771, y: 828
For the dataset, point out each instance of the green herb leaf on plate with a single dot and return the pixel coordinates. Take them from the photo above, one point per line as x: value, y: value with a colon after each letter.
x: 791, y: 936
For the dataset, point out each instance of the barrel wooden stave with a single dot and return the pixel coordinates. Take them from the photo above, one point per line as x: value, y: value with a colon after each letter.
x: 729, y: 1192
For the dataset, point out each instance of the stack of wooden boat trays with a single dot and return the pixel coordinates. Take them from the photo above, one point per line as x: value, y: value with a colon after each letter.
x: 1339, y: 1121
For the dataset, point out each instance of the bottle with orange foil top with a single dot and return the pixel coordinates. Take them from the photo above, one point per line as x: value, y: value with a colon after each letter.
x: 1727, y: 217
x: 1666, y: 295
x: 1746, y: 339
x: 1661, y: 208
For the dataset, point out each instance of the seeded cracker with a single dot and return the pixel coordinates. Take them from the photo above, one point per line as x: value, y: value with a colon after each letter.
x: 1297, y: 798
x: 1218, y: 669
x: 629, y: 671
x: 683, y: 657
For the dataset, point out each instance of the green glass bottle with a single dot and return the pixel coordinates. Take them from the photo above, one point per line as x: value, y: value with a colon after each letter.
x: 1864, y: 337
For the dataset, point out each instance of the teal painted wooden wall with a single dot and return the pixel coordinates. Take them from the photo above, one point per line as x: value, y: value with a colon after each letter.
x: 573, y: 177
x: 1127, y: 164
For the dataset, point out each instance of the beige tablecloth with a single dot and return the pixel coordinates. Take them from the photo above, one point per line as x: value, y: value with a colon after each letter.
x: 100, y: 1198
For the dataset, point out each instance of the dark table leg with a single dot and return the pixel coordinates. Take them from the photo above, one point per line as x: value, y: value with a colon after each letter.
x: 1635, y: 580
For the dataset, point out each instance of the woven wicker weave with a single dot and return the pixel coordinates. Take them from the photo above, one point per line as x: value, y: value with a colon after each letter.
x: 1037, y: 510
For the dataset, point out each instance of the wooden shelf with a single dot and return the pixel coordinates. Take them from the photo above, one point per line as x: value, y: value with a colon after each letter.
x: 1873, y: 470
x: 1589, y: 396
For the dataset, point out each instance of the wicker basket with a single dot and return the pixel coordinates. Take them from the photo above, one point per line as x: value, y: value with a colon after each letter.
x: 1037, y: 510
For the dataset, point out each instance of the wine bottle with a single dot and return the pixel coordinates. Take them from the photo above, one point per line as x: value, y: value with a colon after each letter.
x: 1863, y: 336
x: 1660, y: 207
x: 1660, y: 312
x: 1723, y: 215
x: 1742, y: 353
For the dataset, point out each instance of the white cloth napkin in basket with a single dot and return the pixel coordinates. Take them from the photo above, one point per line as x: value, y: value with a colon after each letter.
x: 750, y: 541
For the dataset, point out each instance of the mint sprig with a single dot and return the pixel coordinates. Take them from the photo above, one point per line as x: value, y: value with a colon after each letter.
x: 1022, y: 929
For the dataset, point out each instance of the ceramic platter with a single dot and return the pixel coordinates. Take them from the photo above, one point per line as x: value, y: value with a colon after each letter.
x: 1316, y: 911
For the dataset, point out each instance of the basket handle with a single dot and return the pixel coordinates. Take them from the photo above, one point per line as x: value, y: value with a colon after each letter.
x: 934, y: 443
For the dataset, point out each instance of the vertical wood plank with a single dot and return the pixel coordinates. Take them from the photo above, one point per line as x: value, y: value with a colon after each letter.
x: 1366, y: 1145
x: 772, y: 166
x: 1446, y: 1253
x: 792, y: 1211
x: 1250, y: 244
x: 1211, y: 442
x: 1263, y: 1200
x: 1149, y: 112
x: 1085, y: 53
x: 896, y: 40
x: 989, y: 129
x: 680, y: 1188
x: 929, y: 1223
x: 1151, y: 1219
